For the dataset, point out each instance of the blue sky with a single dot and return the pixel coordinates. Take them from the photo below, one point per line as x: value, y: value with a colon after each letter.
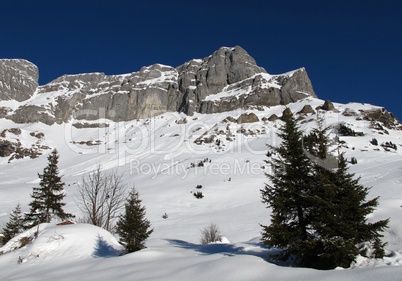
x: 352, y: 50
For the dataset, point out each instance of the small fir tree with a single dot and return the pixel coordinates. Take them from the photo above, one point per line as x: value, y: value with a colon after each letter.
x: 132, y: 226
x: 47, y: 199
x: 317, y: 142
x: 15, y: 225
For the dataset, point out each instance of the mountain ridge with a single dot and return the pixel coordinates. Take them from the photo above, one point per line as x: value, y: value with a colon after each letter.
x: 153, y: 90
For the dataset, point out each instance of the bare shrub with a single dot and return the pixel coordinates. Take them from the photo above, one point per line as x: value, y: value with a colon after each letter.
x: 101, y: 197
x: 210, y: 234
x: 198, y: 195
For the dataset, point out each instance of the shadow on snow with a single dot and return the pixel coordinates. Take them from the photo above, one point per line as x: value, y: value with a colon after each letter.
x: 104, y: 250
x: 252, y: 249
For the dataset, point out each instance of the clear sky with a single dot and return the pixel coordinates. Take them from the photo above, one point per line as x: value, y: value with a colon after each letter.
x: 352, y: 50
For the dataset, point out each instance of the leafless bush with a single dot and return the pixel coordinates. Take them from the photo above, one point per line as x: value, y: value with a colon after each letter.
x: 210, y: 234
x: 101, y: 197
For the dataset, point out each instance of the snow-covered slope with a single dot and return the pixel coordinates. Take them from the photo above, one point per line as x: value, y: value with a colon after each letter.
x: 161, y: 157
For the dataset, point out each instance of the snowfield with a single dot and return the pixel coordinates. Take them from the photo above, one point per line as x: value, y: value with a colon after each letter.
x: 161, y: 156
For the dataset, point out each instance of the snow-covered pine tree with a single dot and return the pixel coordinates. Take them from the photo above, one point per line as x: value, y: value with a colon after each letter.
x: 48, y: 198
x: 15, y: 225
x: 132, y: 226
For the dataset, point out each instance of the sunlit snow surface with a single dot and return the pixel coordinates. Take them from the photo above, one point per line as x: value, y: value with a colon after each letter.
x: 156, y: 155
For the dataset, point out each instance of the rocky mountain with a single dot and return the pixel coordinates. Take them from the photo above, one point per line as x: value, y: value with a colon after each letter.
x: 18, y: 79
x: 175, y: 157
x: 226, y: 80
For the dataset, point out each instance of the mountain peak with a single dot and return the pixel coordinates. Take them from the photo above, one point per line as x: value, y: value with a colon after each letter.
x: 229, y: 72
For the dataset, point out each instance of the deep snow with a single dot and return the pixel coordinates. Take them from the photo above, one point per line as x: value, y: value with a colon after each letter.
x: 155, y: 155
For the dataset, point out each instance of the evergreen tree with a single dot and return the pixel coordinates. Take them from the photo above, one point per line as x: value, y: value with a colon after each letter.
x: 289, y: 195
x: 132, y: 226
x: 341, y: 220
x: 352, y: 209
x: 15, y: 225
x: 317, y: 145
x: 317, y: 142
x: 328, y: 249
x: 334, y: 204
x: 47, y: 199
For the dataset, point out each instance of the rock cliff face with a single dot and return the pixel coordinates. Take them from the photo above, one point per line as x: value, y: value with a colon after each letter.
x: 18, y: 79
x: 199, y: 79
x: 226, y: 80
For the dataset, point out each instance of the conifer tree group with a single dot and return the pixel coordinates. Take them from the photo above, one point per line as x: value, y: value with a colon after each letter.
x: 47, y: 204
x: 319, y: 213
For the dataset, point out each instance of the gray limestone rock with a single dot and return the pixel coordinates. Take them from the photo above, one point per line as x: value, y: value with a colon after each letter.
x: 199, y: 79
x: 328, y: 105
x: 273, y: 118
x: 6, y: 148
x: 262, y: 90
x: 307, y: 109
x: 226, y: 80
x: 286, y: 114
x: 31, y: 114
x: 4, y: 111
x: 247, y: 118
x: 18, y: 79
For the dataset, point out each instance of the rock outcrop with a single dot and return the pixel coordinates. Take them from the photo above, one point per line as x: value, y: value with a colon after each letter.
x: 261, y: 89
x: 199, y: 79
x: 328, y: 105
x: 247, y: 118
x: 307, y: 109
x: 286, y: 114
x: 18, y: 79
x: 273, y: 118
x: 226, y: 80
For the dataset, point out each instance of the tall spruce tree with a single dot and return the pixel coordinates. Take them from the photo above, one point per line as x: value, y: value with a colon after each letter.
x: 132, y: 226
x: 338, y: 228
x: 290, y: 195
x: 351, y: 211
x: 15, y: 225
x: 47, y: 199
x: 341, y: 221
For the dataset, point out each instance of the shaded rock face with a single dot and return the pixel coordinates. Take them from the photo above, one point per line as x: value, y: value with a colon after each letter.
x: 247, y: 118
x: 307, y: 109
x: 383, y: 116
x: 226, y: 80
x: 143, y: 94
x: 262, y: 90
x: 328, y: 105
x: 18, y: 79
x: 273, y: 117
x: 287, y: 113
x: 6, y: 148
